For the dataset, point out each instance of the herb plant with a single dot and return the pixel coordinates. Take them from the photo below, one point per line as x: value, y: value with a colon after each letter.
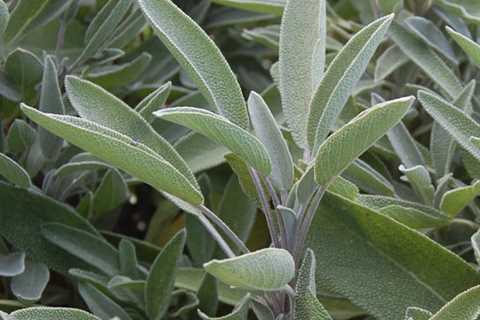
x: 237, y: 159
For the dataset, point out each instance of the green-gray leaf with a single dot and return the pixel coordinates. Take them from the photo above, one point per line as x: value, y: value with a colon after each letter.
x: 471, y: 48
x: 341, y: 78
x: 30, y: 285
x: 100, y: 304
x: 12, y: 264
x: 345, y: 145
x: 268, y: 132
x: 42, y: 313
x: 266, y: 269
x: 239, y: 313
x: 465, y: 306
x: 264, y: 6
x: 4, y: 17
x: 199, y: 56
x: 222, y: 131
x: 13, y: 172
x: 455, y: 200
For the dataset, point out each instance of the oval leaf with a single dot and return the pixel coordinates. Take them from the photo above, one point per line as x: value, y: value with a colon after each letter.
x: 13, y: 172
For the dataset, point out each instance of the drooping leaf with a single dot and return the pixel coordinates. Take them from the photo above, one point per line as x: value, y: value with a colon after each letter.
x: 161, y: 279
x: 299, y: 33
x: 42, y: 313
x: 460, y: 126
x: 456, y: 200
x: 266, y: 269
x: 51, y: 102
x: 345, y: 145
x: 464, y: 306
x: 95, y: 104
x: 341, y: 78
x: 30, y: 285
x: 388, y: 257
x: 222, y: 131
x: 268, y: 132
x: 112, y: 146
x: 191, y: 48
x: 13, y: 172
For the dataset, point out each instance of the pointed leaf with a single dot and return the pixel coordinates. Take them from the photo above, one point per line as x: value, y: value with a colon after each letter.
x: 199, y: 56
x: 111, y: 193
x: 299, y: 33
x: 153, y: 102
x: 348, y: 143
x: 268, y: 132
x: 266, y: 269
x: 4, y: 17
x: 341, y: 78
x: 161, y: 279
x: 421, y: 182
x: 456, y: 200
x: 13, y: 172
x: 222, y: 131
x: 391, y: 60
x: 112, y: 146
x: 100, y: 304
x: 22, y: 16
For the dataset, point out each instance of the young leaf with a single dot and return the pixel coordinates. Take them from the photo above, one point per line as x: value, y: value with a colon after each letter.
x: 388, y: 258
x: 153, y: 102
x: 42, y: 313
x: 161, y: 279
x: 222, y: 131
x: 460, y: 126
x: 341, y: 78
x: 456, y: 200
x: 471, y: 48
x: 268, y: 132
x: 199, y: 56
x: 95, y: 104
x: 307, y: 305
x: 100, y: 304
x: 51, y: 102
x: 465, y: 306
x: 267, y: 270
x: 112, y: 147
x: 426, y: 59
x: 30, y: 285
x: 299, y: 34
x: 13, y: 172
x: 12, y: 264
x: 345, y: 145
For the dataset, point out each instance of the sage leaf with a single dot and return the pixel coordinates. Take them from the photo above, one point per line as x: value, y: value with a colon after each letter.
x: 12, y: 264
x: 153, y: 102
x: 222, y: 131
x: 100, y: 304
x: 464, y: 306
x: 30, y: 285
x: 13, y: 172
x: 266, y: 270
x: 454, y: 201
x: 4, y: 17
x: 391, y: 60
x: 341, y: 78
x: 268, y: 132
x: 263, y: 6
x: 414, y: 313
x: 40, y: 313
x: 239, y: 313
x: 460, y: 126
x: 299, y: 33
x: 471, y: 48
x: 356, y: 137
x: 161, y: 279
x: 22, y: 16
x: 112, y: 146
x: 111, y: 193
x: 191, y: 47
x: 420, y: 180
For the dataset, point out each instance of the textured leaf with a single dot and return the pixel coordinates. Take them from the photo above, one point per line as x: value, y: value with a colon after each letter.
x: 405, y: 146
x: 268, y: 132
x: 266, y: 269
x: 356, y: 137
x: 24, y: 70
x: 239, y: 313
x: 460, y: 126
x: 264, y: 6
x: 97, y: 105
x: 475, y: 240
x: 90, y: 248
x: 428, y: 32
x: 13, y: 172
x: 421, y: 182
x: 341, y: 78
x: 388, y: 258
x: 471, y: 48
x: 456, y: 200
x: 127, y: 257
x: 51, y: 102
x: 199, y: 56
x: 112, y: 146
x: 391, y: 60
x: 30, y: 285
x: 307, y: 305
x: 42, y: 313
x: 414, y: 313
x: 153, y: 102
x: 23, y: 212
x: 12, y: 264
x: 368, y: 179
x: 467, y: 9
x: 299, y: 33
x: 22, y: 16
x: 100, y: 304
x: 426, y: 59
x: 222, y: 131
x: 464, y: 306
x: 111, y: 192
x: 161, y: 279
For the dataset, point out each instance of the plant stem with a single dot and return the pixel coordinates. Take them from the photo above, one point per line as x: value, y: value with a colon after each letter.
x: 280, y: 219
x: 218, y: 238
x: 225, y: 229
